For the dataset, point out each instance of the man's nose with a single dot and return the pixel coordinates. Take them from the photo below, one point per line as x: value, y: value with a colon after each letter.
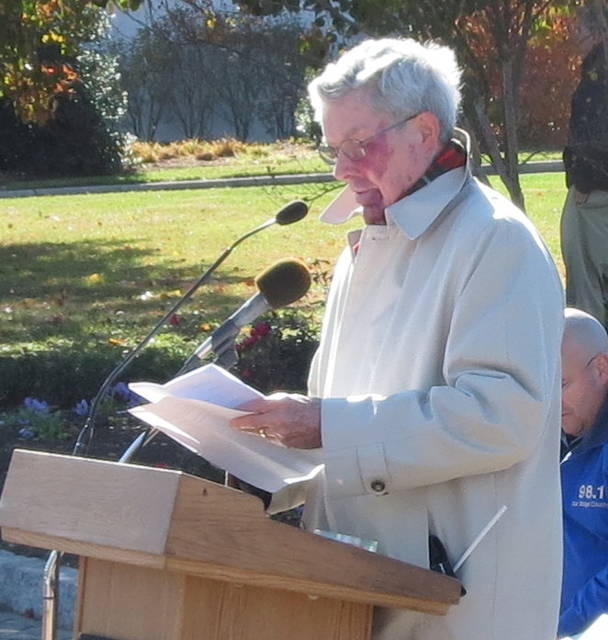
x: 344, y: 167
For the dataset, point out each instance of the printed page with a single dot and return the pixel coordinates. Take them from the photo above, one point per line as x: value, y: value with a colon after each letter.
x: 195, y: 410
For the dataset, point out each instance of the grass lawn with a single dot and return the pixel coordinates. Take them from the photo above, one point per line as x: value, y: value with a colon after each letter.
x: 545, y: 194
x: 101, y: 268
x: 104, y: 267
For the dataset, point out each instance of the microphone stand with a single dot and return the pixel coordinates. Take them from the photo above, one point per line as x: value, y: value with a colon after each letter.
x: 50, y: 587
x: 86, y: 433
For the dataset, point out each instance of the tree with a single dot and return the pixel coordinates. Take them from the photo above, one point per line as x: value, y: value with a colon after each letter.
x: 146, y: 65
x: 490, y: 36
x: 39, y: 42
x: 204, y: 62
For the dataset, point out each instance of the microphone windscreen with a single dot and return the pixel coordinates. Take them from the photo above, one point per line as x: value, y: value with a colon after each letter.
x: 292, y: 212
x: 284, y: 282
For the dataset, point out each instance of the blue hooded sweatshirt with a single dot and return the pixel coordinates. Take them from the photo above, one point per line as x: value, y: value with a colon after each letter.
x: 584, y: 473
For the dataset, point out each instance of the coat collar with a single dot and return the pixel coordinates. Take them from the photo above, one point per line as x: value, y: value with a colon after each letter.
x: 415, y: 213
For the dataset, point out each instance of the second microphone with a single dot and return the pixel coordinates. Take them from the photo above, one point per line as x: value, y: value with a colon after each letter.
x: 279, y: 285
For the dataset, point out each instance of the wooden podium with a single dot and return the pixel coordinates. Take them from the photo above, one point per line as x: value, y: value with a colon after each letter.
x: 168, y: 556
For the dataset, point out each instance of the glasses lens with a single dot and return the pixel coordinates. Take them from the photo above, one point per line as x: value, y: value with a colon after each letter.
x: 328, y: 154
x: 353, y: 149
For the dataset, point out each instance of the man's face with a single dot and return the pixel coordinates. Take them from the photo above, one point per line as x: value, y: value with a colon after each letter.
x: 394, y: 160
x: 583, y: 390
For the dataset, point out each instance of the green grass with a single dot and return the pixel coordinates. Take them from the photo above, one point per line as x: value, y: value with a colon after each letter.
x: 98, y: 268
x: 104, y: 266
x: 545, y: 194
x: 83, y: 278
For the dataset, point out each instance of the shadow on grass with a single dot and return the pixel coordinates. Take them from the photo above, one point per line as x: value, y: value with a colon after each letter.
x: 99, y: 289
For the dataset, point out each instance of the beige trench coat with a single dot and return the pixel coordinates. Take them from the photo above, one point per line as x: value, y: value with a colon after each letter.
x: 440, y: 378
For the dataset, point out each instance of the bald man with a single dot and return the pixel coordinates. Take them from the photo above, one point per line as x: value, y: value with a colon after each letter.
x: 584, y: 472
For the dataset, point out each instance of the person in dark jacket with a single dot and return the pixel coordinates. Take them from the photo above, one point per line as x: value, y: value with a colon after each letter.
x: 584, y: 472
x: 584, y: 226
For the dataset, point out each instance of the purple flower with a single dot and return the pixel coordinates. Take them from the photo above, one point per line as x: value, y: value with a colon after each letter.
x: 39, y: 406
x: 122, y: 391
x: 26, y: 434
x: 81, y: 408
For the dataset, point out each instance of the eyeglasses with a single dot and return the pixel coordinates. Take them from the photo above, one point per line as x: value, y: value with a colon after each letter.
x: 355, y: 150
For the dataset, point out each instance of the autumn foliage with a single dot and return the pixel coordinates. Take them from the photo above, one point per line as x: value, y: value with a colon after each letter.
x: 39, y: 39
x: 551, y: 75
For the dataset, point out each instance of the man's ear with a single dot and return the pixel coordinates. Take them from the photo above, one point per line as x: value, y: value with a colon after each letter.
x: 428, y: 126
x: 600, y: 362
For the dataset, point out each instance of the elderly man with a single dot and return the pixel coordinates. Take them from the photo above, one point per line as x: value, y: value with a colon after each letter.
x: 584, y: 472
x: 434, y: 395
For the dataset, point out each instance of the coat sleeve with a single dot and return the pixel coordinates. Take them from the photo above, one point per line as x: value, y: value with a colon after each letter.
x: 500, y: 382
x: 589, y: 603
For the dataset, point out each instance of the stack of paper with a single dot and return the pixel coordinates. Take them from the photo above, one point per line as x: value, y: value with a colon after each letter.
x: 195, y: 410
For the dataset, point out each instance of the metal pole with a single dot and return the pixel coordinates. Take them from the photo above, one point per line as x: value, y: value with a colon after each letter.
x: 50, y: 596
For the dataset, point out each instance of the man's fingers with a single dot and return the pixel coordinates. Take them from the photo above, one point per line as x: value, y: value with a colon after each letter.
x: 250, y: 422
x: 256, y: 406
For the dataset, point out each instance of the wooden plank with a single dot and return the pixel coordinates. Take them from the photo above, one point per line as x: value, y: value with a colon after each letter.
x: 205, y: 538
x: 130, y: 603
x: 233, y: 612
x: 104, y: 503
x: 68, y: 545
x: 312, y: 588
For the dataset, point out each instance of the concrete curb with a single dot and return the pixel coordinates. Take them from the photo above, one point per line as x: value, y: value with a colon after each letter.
x: 252, y: 181
x: 21, y: 587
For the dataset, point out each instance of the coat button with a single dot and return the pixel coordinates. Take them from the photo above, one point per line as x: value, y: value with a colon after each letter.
x: 378, y: 486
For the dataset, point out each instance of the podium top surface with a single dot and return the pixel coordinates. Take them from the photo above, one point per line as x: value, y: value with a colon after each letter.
x: 170, y: 520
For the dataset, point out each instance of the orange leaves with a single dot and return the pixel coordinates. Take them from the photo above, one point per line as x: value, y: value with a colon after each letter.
x: 48, y: 9
x: 36, y: 38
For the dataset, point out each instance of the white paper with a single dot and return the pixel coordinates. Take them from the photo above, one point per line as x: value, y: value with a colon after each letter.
x: 195, y: 409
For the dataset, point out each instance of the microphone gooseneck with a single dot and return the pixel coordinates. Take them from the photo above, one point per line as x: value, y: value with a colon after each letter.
x: 291, y: 212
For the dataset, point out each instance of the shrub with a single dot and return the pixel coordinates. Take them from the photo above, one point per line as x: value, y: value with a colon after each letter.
x: 276, y: 354
x: 76, y: 142
x: 65, y: 375
x: 79, y: 133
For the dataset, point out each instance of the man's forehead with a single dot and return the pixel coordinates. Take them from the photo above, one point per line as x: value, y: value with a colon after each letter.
x: 351, y: 116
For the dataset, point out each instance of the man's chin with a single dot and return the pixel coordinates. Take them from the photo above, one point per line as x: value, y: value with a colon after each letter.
x: 571, y: 430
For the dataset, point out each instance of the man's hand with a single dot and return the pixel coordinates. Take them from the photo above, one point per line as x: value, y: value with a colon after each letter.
x: 290, y: 419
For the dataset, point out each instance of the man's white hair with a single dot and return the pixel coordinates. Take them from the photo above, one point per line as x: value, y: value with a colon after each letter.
x: 404, y: 78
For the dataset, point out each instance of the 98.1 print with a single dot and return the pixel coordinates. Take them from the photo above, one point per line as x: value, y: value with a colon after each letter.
x: 591, y: 492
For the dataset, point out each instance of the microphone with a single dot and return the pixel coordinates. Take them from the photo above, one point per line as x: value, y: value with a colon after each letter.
x: 278, y: 286
x: 291, y: 212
